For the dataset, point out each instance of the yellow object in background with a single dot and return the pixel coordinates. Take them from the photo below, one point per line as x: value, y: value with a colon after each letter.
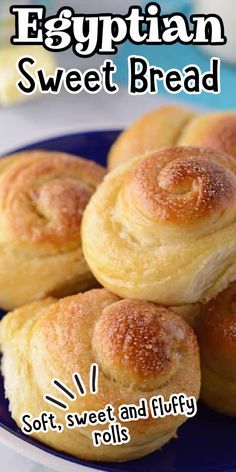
x: 9, y: 75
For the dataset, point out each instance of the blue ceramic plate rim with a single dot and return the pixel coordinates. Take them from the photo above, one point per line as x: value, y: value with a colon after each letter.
x: 61, y: 143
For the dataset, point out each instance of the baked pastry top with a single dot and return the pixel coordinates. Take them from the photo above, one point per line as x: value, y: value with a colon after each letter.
x: 214, y: 130
x: 142, y: 350
x: 216, y: 329
x: 162, y: 227
x: 42, y: 199
x: 160, y: 128
x: 169, y: 126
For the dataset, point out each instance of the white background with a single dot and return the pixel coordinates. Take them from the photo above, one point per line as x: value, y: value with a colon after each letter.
x: 60, y: 114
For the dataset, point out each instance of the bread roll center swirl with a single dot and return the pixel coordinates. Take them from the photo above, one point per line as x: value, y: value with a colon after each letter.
x: 61, y: 202
x: 136, y: 344
x: 42, y: 199
x: 181, y: 191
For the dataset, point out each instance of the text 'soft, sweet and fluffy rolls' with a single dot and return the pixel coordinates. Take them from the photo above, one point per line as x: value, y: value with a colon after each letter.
x: 162, y: 227
x: 141, y: 349
x: 42, y: 199
x: 175, y: 126
x: 216, y: 329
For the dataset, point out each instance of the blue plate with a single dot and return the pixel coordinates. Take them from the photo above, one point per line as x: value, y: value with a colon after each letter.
x: 207, y: 442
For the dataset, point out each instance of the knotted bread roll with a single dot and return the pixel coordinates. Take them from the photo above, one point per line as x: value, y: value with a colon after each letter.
x: 175, y: 126
x: 42, y: 199
x: 162, y: 227
x: 142, y: 350
x: 216, y: 328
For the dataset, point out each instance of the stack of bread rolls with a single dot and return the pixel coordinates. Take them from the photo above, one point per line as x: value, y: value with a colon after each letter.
x: 158, y: 234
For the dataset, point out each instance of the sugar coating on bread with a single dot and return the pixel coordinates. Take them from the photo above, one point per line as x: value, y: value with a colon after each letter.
x: 135, y: 346
x: 42, y: 199
x: 180, y: 185
x: 216, y: 329
x: 141, y: 349
x: 161, y: 227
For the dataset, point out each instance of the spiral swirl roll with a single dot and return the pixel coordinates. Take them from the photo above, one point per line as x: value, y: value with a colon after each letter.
x: 142, y: 350
x: 162, y: 227
x: 216, y: 329
x: 42, y: 199
x: 175, y: 126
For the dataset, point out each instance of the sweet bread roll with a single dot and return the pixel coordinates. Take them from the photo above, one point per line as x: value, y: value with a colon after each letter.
x: 42, y: 199
x: 215, y: 131
x: 142, y: 350
x: 162, y: 227
x: 216, y: 328
x: 175, y: 126
x: 157, y: 129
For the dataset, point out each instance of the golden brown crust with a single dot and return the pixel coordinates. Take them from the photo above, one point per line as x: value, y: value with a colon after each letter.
x: 142, y: 350
x: 181, y: 185
x: 42, y: 198
x: 175, y: 126
x: 162, y: 227
x: 157, y: 129
x: 216, y: 131
x: 139, y: 343
x: 216, y: 328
